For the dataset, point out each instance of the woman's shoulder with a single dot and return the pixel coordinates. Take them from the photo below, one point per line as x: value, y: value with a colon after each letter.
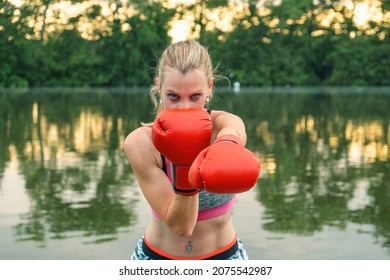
x: 217, y: 113
x: 139, y: 138
x: 139, y: 148
x: 140, y: 132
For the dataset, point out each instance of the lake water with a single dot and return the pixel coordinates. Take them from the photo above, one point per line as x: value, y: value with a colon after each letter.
x: 68, y: 192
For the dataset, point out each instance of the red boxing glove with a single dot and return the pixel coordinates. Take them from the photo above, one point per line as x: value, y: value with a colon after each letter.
x: 180, y: 135
x: 225, y: 167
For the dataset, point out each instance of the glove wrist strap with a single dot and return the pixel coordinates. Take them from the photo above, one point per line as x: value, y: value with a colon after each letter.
x: 180, y: 181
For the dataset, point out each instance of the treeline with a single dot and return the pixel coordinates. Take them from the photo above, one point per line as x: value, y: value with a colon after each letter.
x: 115, y: 43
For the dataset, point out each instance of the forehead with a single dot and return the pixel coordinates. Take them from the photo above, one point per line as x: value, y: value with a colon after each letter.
x: 176, y: 79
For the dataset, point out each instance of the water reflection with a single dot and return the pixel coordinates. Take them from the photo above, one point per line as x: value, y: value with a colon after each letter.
x: 67, y: 148
x: 73, y: 199
x: 325, y: 160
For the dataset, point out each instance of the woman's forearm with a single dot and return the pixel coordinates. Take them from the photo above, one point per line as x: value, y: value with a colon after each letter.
x: 182, y: 214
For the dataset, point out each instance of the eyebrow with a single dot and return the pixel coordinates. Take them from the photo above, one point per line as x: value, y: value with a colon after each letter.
x: 170, y: 91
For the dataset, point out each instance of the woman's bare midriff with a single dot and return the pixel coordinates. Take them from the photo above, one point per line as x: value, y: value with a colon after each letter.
x: 207, y: 237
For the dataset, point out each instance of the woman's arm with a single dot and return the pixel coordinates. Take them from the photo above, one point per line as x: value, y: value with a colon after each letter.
x: 225, y: 166
x: 178, y: 212
x: 227, y: 123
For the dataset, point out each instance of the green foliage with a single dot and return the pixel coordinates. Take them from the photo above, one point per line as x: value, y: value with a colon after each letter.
x: 360, y: 62
x: 124, y: 51
x: 13, y: 46
x: 130, y: 56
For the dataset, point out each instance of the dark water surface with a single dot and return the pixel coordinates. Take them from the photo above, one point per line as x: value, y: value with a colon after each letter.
x: 68, y: 192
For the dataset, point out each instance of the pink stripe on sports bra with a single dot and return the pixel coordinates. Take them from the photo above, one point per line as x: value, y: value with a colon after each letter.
x: 212, y: 212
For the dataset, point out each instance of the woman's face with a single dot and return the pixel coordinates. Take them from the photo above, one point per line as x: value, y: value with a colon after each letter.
x: 179, y: 91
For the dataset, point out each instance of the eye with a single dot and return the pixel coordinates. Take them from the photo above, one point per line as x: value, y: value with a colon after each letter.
x: 196, y: 96
x: 173, y: 97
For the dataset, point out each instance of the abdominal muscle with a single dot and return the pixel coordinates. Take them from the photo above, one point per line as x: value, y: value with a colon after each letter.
x: 207, y: 237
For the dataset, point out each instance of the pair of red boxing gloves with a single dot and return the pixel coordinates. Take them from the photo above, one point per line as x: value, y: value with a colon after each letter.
x: 224, y: 167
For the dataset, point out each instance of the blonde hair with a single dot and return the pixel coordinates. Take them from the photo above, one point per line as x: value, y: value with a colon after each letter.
x: 183, y: 56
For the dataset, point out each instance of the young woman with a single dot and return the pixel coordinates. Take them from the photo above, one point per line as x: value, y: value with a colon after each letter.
x: 191, y: 208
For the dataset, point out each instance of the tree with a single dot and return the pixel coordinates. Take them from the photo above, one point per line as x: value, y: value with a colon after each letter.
x: 130, y: 55
x: 14, y: 28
